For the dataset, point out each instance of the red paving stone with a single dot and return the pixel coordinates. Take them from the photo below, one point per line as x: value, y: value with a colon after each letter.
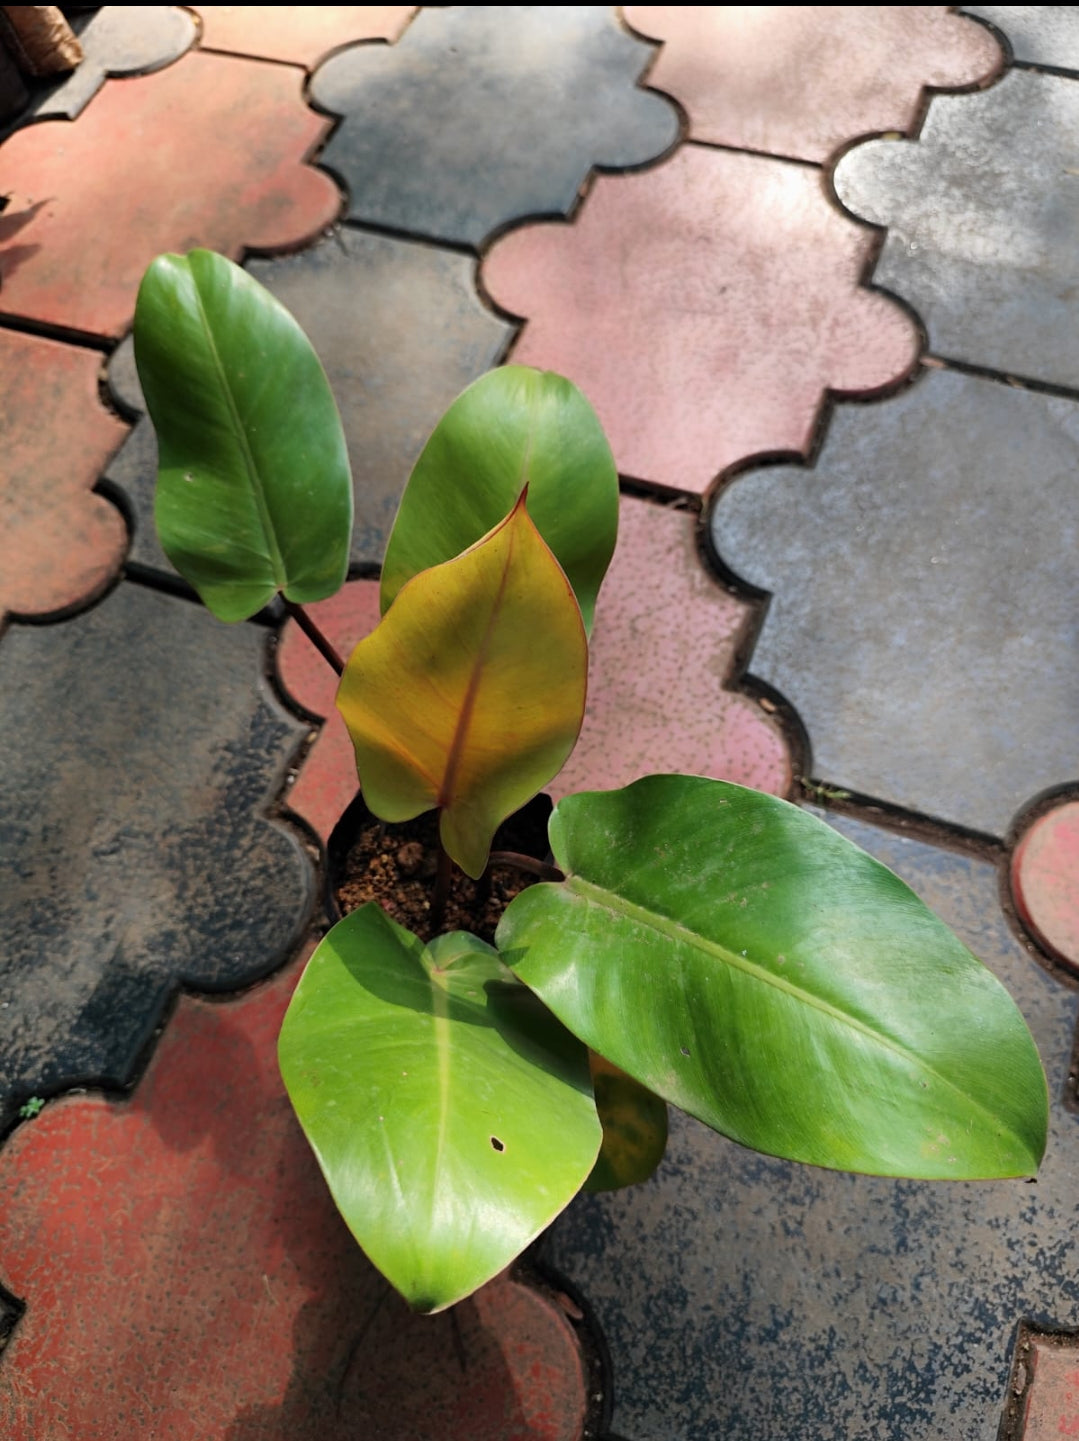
x: 1048, y: 1367
x: 59, y: 543
x: 705, y: 308
x: 207, y: 152
x: 1045, y: 883
x: 801, y: 80
x: 299, y: 34
x: 662, y: 653
x: 186, y: 1276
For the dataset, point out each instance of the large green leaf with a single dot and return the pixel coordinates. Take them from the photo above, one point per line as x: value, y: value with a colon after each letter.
x: 450, y: 1112
x: 634, y: 1125
x: 511, y: 428
x: 254, y: 493
x: 745, y: 962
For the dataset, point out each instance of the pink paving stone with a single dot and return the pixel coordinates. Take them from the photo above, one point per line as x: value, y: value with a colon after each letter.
x: 1045, y: 883
x: 209, y: 152
x: 662, y: 656
x: 300, y: 34
x: 706, y: 308
x: 59, y: 543
x: 801, y: 80
x: 187, y: 1277
x: 1050, y: 1407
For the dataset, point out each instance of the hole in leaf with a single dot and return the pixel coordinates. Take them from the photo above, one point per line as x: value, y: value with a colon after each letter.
x: 497, y: 1144
x: 684, y: 1050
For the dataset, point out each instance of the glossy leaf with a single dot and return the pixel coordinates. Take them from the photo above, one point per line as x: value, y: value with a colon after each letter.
x: 451, y: 1114
x: 634, y: 1125
x: 511, y: 428
x: 469, y: 694
x: 254, y: 493
x: 749, y: 964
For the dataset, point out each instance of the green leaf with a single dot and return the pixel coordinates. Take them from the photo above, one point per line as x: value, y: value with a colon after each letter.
x: 254, y: 493
x: 744, y: 961
x: 634, y: 1125
x: 451, y: 1114
x: 511, y: 428
x: 470, y: 692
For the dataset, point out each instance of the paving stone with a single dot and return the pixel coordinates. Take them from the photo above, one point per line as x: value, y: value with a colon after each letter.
x: 1044, y: 1404
x: 482, y: 115
x: 744, y: 1297
x: 924, y: 620
x: 208, y: 152
x: 982, y: 213
x: 60, y: 544
x: 662, y: 655
x: 186, y: 1276
x: 119, y: 40
x: 705, y: 308
x: 401, y: 332
x: 801, y: 80
x: 1045, y: 882
x: 301, y: 35
x: 1038, y: 34
x: 142, y: 752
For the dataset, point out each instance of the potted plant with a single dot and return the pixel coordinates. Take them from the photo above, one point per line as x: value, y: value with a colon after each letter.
x: 690, y: 941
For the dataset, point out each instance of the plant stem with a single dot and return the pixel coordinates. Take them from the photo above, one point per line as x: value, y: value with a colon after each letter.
x: 543, y: 869
x: 441, y: 893
x: 325, y: 649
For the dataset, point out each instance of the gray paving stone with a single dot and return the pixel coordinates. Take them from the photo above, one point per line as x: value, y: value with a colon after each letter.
x: 119, y: 40
x: 142, y: 751
x: 480, y: 116
x: 982, y: 214
x: 924, y: 620
x: 1038, y: 34
x: 745, y: 1298
x: 400, y: 330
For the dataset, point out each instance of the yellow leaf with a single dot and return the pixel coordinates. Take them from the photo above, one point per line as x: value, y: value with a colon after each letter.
x: 470, y: 693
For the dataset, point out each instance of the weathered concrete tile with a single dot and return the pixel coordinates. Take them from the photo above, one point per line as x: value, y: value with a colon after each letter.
x: 142, y: 751
x: 662, y: 655
x: 186, y: 1276
x: 298, y: 34
x: 60, y: 544
x: 482, y: 115
x: 801, y: 80
x: 744, y: 1297
x: 215, y: 157
x: 1038, y: 34
x: 982, y: 213
x: 924, y: 620
x: 705, y: 308
x: 1045, y: 882
x: 119, y: 40
x: 400, y: 331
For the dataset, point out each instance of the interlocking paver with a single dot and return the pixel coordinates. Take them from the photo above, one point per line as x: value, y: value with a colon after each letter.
x: 1044, y: 1405
x: 186, y: 1276
x: 745, y: 1297
x: 142, y: 752
x: 1045, y: 881
x: 299, y: 34
x: 801, y: 80
x: 1038, y: 34
x: 982, y: 213
x: 706, y: 308
x: 59, y: 543
x: 924, y: 620
x: 400, y: 331
x: 209, y: 151
x: 482, y: 115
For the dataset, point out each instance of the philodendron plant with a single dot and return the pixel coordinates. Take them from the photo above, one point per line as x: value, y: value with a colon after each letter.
x: 694, y: 942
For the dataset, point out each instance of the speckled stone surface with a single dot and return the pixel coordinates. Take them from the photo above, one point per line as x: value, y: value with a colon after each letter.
x: 924, y: 620
x: 802, y: 80
x: 743, y: 1297
x: 142, y: 753
x: 1045, y: 882
x: 209, y: 151
x: 400, y: 330
x: 60, y: 543
x: 705, y: 308
x: 480, y: 116
x: 297, y: 34
x: 186, y: 1277
x: 982, y: 212
x: 1038, y: 34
